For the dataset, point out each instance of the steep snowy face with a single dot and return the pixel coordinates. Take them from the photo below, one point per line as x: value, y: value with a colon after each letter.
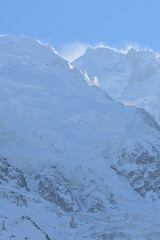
x: 36, y: 86
x: 108, y: 66
x: 53, y: 113
x: 117, y: 70
x: 144, y: 79
x: 145, y: 63
x: 133, y: 77
x: 14, y: 49
x: 70, y: 154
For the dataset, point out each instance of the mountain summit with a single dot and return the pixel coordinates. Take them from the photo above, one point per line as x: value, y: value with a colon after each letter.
x: 74, y: 163
x: 132, y: 78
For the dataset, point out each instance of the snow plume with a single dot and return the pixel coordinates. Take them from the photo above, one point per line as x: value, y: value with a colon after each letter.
x: 72, y: 50
x: 128, y: 45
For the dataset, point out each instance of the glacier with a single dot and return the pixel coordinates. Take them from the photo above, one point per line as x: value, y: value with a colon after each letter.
x: 79, y: 149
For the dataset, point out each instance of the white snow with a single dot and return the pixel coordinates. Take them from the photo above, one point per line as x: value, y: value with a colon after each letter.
x: 50, y: 114
x: 132, y: 78
x: 53, y: 113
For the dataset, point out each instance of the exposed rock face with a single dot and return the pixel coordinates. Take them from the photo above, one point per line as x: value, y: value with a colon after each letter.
x: 14, y: 197
x: 12, y: 181
x: 52, y: 114
x: 11, y: 175
x: 142, y: 169
x: 51, y: 185
x: 54, y: 187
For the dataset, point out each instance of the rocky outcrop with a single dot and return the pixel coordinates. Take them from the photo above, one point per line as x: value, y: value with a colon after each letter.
x: 11, y: 175
x: 141, y: 168
x: 54, y: 187
x: 12, y: 181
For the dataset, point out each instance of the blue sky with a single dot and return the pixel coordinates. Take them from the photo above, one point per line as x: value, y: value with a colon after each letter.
x: 71, y: 25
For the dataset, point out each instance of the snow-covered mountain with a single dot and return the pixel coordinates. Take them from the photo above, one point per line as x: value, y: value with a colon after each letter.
x: 74, y: 163
x: 132, y: 78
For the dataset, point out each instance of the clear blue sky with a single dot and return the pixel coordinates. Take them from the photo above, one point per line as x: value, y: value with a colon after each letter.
x: 113, y: 22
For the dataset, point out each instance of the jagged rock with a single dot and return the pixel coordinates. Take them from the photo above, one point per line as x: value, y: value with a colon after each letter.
x: 14, y: 197
x: 54, y: 187
x: 144, y: 171
x: 11, y: 175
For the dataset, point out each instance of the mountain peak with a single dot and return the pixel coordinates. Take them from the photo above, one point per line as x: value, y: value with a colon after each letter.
x: 20, y: 41
x: 143, y: 54
x: 102, y: 52
x: 71, y: 158
x: 25, y: 51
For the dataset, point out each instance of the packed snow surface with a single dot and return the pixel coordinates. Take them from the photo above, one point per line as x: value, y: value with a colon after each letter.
x: 74, y: 163
x: 132, y: 78
x: 50, y: 113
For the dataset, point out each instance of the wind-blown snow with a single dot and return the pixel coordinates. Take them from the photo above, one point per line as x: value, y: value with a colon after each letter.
x: 49, y: 113
x: 132, y: 77
x: 88, y: 162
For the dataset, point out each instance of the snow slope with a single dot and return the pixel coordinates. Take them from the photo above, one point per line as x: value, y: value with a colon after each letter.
x: 132, y: 78
x: 74, y: 164
x: 49, y: 112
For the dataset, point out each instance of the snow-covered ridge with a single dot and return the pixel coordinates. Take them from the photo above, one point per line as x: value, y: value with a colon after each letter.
x: 132, y: 77
x: 19, y: 44
x: 69, y: 153
x: 49, y: 112
x: 28, y: 52
x: 102, y: 61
